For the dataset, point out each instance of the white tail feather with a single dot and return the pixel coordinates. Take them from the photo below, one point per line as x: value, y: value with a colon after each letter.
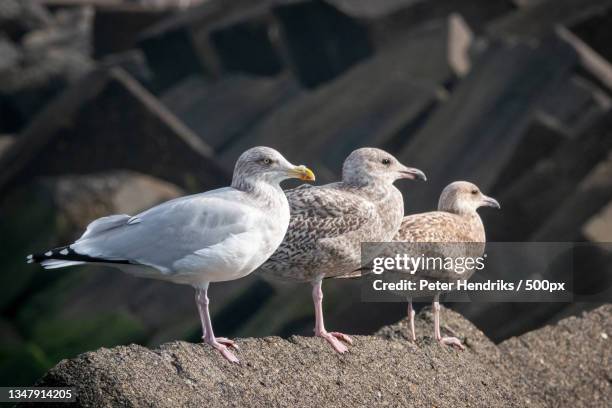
x: 59, y: 263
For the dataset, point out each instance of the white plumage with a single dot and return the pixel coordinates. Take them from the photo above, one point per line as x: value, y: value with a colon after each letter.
x: 215, y: 236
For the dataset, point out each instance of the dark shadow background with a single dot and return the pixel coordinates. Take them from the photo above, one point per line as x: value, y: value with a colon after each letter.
x: 110, y: 106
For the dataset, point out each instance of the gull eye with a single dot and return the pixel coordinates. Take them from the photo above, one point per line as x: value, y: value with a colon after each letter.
x: 386, y: 162
x: 474, y: 192
x: 267, y: 161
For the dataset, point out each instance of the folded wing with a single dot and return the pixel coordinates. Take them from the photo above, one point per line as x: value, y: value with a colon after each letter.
x: 164, y: 235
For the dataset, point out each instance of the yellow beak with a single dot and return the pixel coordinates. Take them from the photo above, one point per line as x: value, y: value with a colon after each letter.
x: 302, y: 173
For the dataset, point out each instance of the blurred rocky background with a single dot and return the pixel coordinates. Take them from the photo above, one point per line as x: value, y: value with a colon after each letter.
x: 111, y: 106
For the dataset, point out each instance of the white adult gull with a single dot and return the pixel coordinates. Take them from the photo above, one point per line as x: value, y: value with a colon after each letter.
x: 329, y: 222
x: 219, y: 235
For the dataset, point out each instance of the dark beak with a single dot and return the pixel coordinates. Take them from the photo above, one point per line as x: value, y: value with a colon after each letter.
x: 490, y: 202
x: 413, y: 174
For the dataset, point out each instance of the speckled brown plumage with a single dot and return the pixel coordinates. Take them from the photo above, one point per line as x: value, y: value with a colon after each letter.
x: 329, y: 222
x: 327, y: 225
x: 454, y: 231
x: 440, y: 226
x: 442, y: 234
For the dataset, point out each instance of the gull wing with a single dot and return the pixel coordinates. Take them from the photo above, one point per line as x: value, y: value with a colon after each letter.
x: 167, y: 233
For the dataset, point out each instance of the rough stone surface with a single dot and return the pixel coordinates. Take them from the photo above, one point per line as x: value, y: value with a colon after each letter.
x: 548, y: 367
x: 9, y: 54
x: 222, y: 111
x: 5, y: 143
x: 506, y: 83
x: 561, y: 171
x: 56, y: 210
x: 569, y: 364
x: 541, y: 18
x: 120, y: 118
x: 599, y: 227
x: 20, y: 16
x: 83, y: 198
x: 356, y: 112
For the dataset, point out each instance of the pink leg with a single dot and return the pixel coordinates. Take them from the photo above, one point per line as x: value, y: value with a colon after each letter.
x: 449, y: 341
x: 411, y: 317
x: 221, y: 343
x: 331, y: 337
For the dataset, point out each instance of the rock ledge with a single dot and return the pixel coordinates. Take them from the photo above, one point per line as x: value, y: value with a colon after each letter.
x: 566, y: 364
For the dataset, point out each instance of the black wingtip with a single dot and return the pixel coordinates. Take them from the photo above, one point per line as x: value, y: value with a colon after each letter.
x: 66, y: 253
x: 61, y: 253
x: 37, y: 257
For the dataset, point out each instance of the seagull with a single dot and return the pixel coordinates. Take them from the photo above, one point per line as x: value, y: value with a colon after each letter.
x: 329, y: 222
x: 215, y: 236
x: 456, y: 221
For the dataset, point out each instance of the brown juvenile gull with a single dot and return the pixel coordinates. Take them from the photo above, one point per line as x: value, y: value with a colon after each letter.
x: 219, y: 235
x: 456, y: 221
x: 329, y: 222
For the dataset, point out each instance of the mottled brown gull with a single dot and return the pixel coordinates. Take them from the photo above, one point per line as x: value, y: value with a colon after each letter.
x: 456, y: 221
x: 215, y: 236
x: 329, y: 222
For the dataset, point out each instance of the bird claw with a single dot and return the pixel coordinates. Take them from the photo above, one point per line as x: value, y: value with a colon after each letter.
x: 222, y: 345
x: 228, y: 354
x: 453, y: 342
x: 332, y: 338
x: 227, y: 342
x: 342, y: 337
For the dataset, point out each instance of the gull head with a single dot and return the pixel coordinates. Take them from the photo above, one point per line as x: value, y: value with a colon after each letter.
x: 370, y: 165
x: 462, y: 197
x: 264, y: 164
